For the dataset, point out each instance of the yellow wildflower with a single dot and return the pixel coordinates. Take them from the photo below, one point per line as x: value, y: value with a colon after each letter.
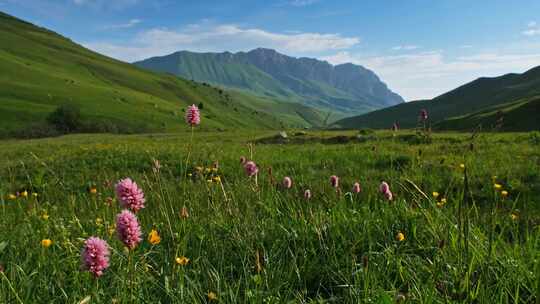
x: 504, y: 193
x: 12, y: 196
x: 212, y: 296
x: 514, y: 216
x: 99, y: 221
x: 208, y: 170
x: 24, y: 194
x: 217, y: 179
x: 462, y: 166
x: 435, y: 194
x: 183, y: 261
x: 93, y: 190
x: 153, y: 237
x: 209, y: 180
x: 400, y: 236
x: 497, y: 186
x: 441, y: 202
x: 112, y: 229
x: 45, y: 216
x: 34, y: 194
x: 46, y: 243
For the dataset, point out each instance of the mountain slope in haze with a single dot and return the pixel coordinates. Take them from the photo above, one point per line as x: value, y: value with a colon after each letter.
x: 345, y: 88
x: 41, y: 70
x: 460, y: 108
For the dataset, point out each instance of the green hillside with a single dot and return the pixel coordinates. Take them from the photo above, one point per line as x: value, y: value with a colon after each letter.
x: 523, y: 114
x: 295, y: 114
x: 467, y: 106
x: 42, y: 70
x: 347, y: 89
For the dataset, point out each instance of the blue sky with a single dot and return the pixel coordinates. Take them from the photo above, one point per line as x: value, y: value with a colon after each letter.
x: 419, y: 48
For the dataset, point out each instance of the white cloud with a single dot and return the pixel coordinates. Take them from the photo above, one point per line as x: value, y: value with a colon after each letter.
x: 405, y: 47
x: 428, y: 74
x: 221, y: 37
x: 130, y: 23
x: 533, y: 29
x: 532, y: 32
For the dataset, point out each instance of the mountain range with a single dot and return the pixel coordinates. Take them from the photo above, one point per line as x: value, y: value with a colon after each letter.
x: 511, y: 101
x: 347, y: 89
x: 42, y: 70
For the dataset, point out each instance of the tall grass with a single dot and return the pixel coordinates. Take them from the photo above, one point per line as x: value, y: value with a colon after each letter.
x: 259, y: 243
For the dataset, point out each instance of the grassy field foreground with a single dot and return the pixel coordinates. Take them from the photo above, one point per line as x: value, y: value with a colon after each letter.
x: 224, y: 237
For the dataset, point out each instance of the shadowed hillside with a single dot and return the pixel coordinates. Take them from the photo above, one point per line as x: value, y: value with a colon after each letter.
x: 467, y: 106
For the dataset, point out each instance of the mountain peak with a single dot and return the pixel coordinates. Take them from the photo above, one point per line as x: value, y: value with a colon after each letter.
x: 263, y: 51
x: 347, y: 89
x: 266, y: 54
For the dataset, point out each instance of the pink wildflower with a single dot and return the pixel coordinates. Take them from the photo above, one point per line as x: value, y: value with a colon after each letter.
x: 287, y: 182
x: 130, y: 195
x: 128, y: 229
x: 251, y: 168
x: 307, y: 194
x: 95, y: 256
x: 193, y: 116
x: 384, y: 187
x: 356, y: 188
x: 334, y: 181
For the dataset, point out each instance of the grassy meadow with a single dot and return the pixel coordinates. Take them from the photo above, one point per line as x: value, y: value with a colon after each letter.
x: 463, y: 225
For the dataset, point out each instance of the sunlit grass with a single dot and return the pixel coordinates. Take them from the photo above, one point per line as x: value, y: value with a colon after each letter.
x: 224, y: 238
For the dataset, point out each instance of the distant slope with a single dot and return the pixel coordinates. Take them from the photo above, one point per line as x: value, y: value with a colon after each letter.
x: 459, y: 109
x: 344, y: 88
x: 41, y: 70
x: 520, y: 115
